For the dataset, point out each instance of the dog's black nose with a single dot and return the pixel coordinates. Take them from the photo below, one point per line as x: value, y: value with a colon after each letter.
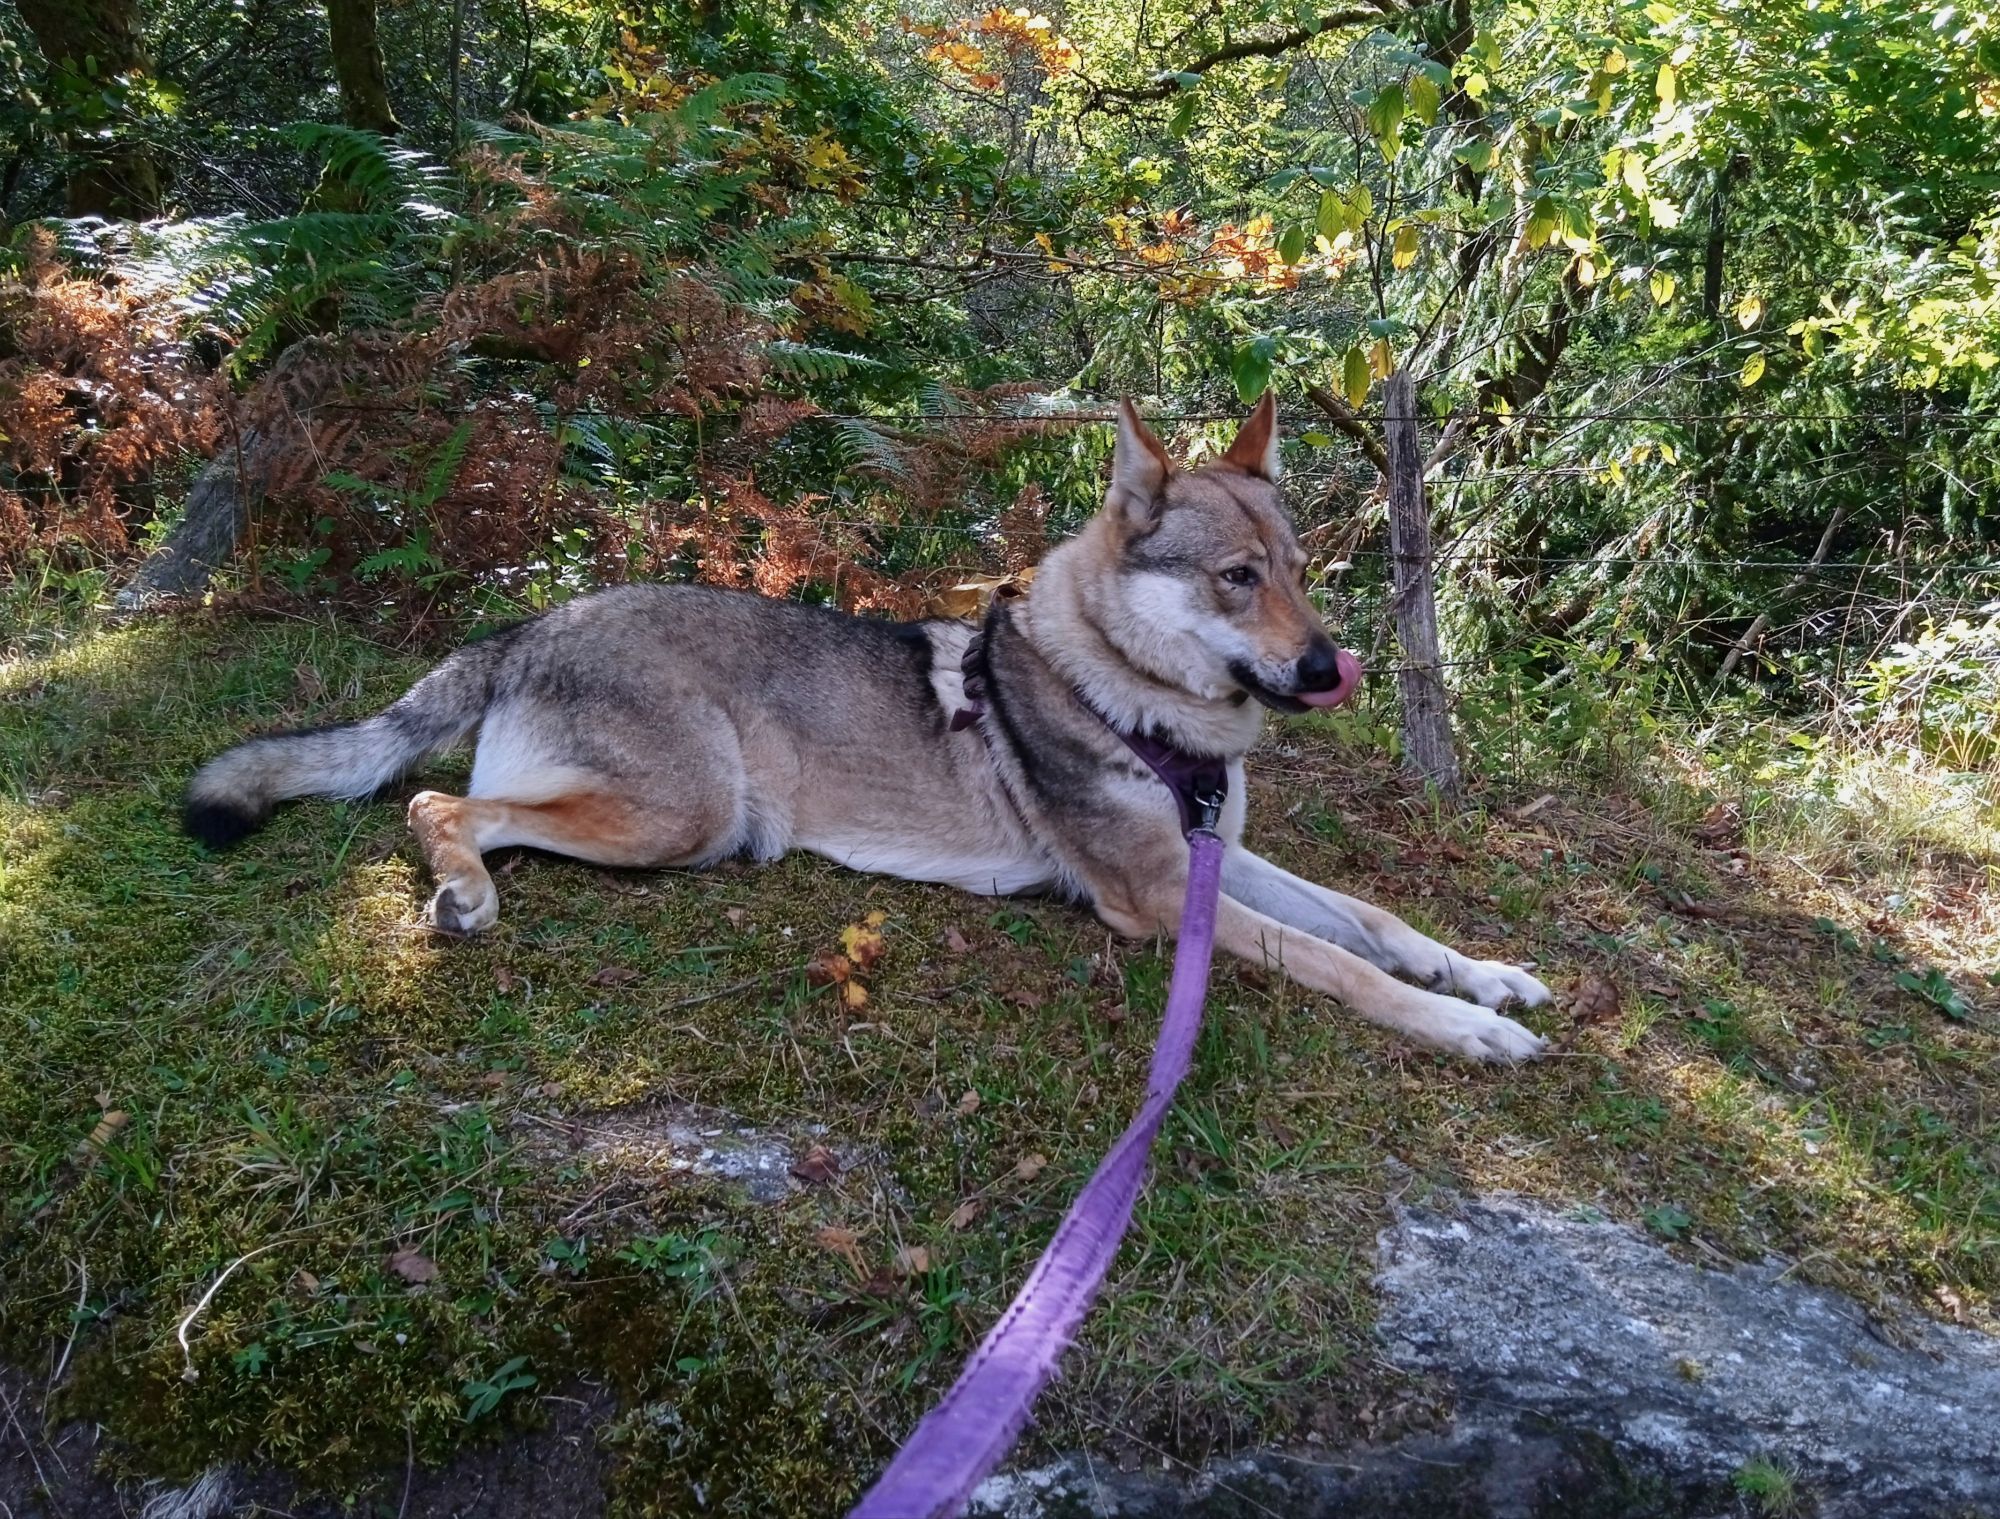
x: 1319, y: 666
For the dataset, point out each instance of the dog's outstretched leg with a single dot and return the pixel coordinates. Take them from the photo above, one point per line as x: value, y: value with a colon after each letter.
x: 1377, y: 935
x: 603, y: 827
x: 1445, y: 1023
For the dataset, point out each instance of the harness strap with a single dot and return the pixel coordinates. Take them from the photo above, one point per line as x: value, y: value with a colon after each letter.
x: 1199, y: 783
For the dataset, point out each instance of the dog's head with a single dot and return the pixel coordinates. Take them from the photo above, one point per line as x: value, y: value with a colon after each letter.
x: 1209, y: 572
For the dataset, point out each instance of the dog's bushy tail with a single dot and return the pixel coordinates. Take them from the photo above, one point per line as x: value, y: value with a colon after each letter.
x: 233, y: 794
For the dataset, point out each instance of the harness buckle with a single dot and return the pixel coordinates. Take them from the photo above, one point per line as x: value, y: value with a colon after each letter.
x: 1208, y: 800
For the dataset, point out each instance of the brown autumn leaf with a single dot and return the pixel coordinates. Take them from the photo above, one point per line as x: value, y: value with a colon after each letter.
x: 956, y: 942
x: 1721, y: 827
x: 1279, y: 1132
x: 969, y: 1103
x: 853, y: 996
x: 913, y: 1260
x: 882, y: 1284
x: 1595, y: 1000
x: 735, y: 915
x: 109, y: 1125
x: 1022, y: 997
x: 863, y: 941
x: 505, y: 979
x: 819, y: 1164
x: 1029, y: 1167
x: 613, y: 975
x: 412, y: 1265
x: 966, y: 1213
x: 827, y: 969
x: 842, y: 1242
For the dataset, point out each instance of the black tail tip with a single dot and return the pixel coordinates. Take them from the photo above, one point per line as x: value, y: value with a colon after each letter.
x: 219, y: 824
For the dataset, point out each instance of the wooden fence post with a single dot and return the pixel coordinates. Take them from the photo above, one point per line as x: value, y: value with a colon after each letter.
x: 1427, y: 742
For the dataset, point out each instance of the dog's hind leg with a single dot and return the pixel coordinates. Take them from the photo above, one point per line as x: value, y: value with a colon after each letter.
x: 603, y: 826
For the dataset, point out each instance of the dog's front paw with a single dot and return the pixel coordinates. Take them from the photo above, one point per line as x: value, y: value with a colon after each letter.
x: 1494, y: 983
x: 1474, y: 1033
x: 463, y: 907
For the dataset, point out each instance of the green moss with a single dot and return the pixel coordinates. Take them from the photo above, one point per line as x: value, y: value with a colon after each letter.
x: 309, y: 1081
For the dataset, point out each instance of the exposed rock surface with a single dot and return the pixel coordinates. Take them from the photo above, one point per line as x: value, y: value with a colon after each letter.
x: 1597, y: 1375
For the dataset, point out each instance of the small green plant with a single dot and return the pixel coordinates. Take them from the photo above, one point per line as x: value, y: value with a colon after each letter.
x: 675, y: 1257
x: 1935, y: 987
x: 1669, y: 1221
x: 1772, y: 1490
x: 483, y: 1395
x: 409, y: 511
x: 1839, y: 935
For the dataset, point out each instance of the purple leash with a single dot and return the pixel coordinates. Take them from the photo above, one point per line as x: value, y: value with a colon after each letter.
x: 971, y: 1430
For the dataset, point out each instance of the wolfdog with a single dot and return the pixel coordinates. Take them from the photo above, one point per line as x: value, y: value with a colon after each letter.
x: 654, y: 725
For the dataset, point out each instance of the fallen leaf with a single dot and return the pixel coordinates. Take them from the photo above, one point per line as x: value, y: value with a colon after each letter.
x: 1022, y: 997
x: 842, y: 1242
x: 493, y: 1079
x: 107, y: 1129
x: 882, y: 1284
x: 956, y: 941
x: 1028, y: 1167
x: 825, y: 969
x: 735, y: 915
x: 505, y: 979
x: 913, y: 1260
x: 819, y: 1164
x: 306, y: 1282
x: 613, y: 975
x: 1721, y: 827
x: 969, y: 1103
x: 853, y: 996
x: 412, y: 1265
x: 1595, y: 1000
x: 550, y: 1089
x: 863, y: 941
x: 1279, y: 1131
x: 1524, y: 813
x: 964, y: 1215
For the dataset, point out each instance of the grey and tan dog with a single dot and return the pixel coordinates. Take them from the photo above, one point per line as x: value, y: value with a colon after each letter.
x: 653, y: 725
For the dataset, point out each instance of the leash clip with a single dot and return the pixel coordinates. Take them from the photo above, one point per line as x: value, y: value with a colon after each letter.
x: 1208, y: 800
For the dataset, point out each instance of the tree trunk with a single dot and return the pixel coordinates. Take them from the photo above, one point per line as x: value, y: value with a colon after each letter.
x: 88, y: 43
x: 229, y: 490
x: 1427, y: 742
x: 357, y: 65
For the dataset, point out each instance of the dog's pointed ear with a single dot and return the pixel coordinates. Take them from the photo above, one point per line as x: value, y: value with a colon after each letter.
x: 1256, y: 447
x: 1140, y: 468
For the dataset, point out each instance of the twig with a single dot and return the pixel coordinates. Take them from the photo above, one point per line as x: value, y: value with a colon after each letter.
x: 181, y: 1334
x: 75, y: 1321
x: 1755, y: 632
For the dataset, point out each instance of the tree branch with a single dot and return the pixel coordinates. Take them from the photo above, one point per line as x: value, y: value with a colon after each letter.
x: 1754, y: 634
x: 1346, y: 420
x: 1168, y: 83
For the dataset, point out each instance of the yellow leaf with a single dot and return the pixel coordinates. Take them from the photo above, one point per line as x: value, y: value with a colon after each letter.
x: 1662, y: 285
x: 854, y: 995
x: 1354, y: 376
x: 1667, y: 87
x: 1753, y: 371
x: 1633, y: 171
x: 1403, y: 252
x: 1614, y: 61
x: 1749, y: 311
x: 1381, y: 359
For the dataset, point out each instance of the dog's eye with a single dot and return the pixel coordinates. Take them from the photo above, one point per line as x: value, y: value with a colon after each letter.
x: 1240, y: 574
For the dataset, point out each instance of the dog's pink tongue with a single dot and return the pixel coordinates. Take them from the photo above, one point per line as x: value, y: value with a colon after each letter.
x: 1347, y: 670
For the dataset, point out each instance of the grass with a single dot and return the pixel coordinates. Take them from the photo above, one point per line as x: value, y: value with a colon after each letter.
x: 391, y: 1152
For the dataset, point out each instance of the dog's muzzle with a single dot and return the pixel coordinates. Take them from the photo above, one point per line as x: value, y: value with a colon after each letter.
x: 1328, y: 675
x: 1325, y: 676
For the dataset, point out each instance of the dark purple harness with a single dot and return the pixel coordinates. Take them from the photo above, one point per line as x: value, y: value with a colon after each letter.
x: 1199, y: 783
